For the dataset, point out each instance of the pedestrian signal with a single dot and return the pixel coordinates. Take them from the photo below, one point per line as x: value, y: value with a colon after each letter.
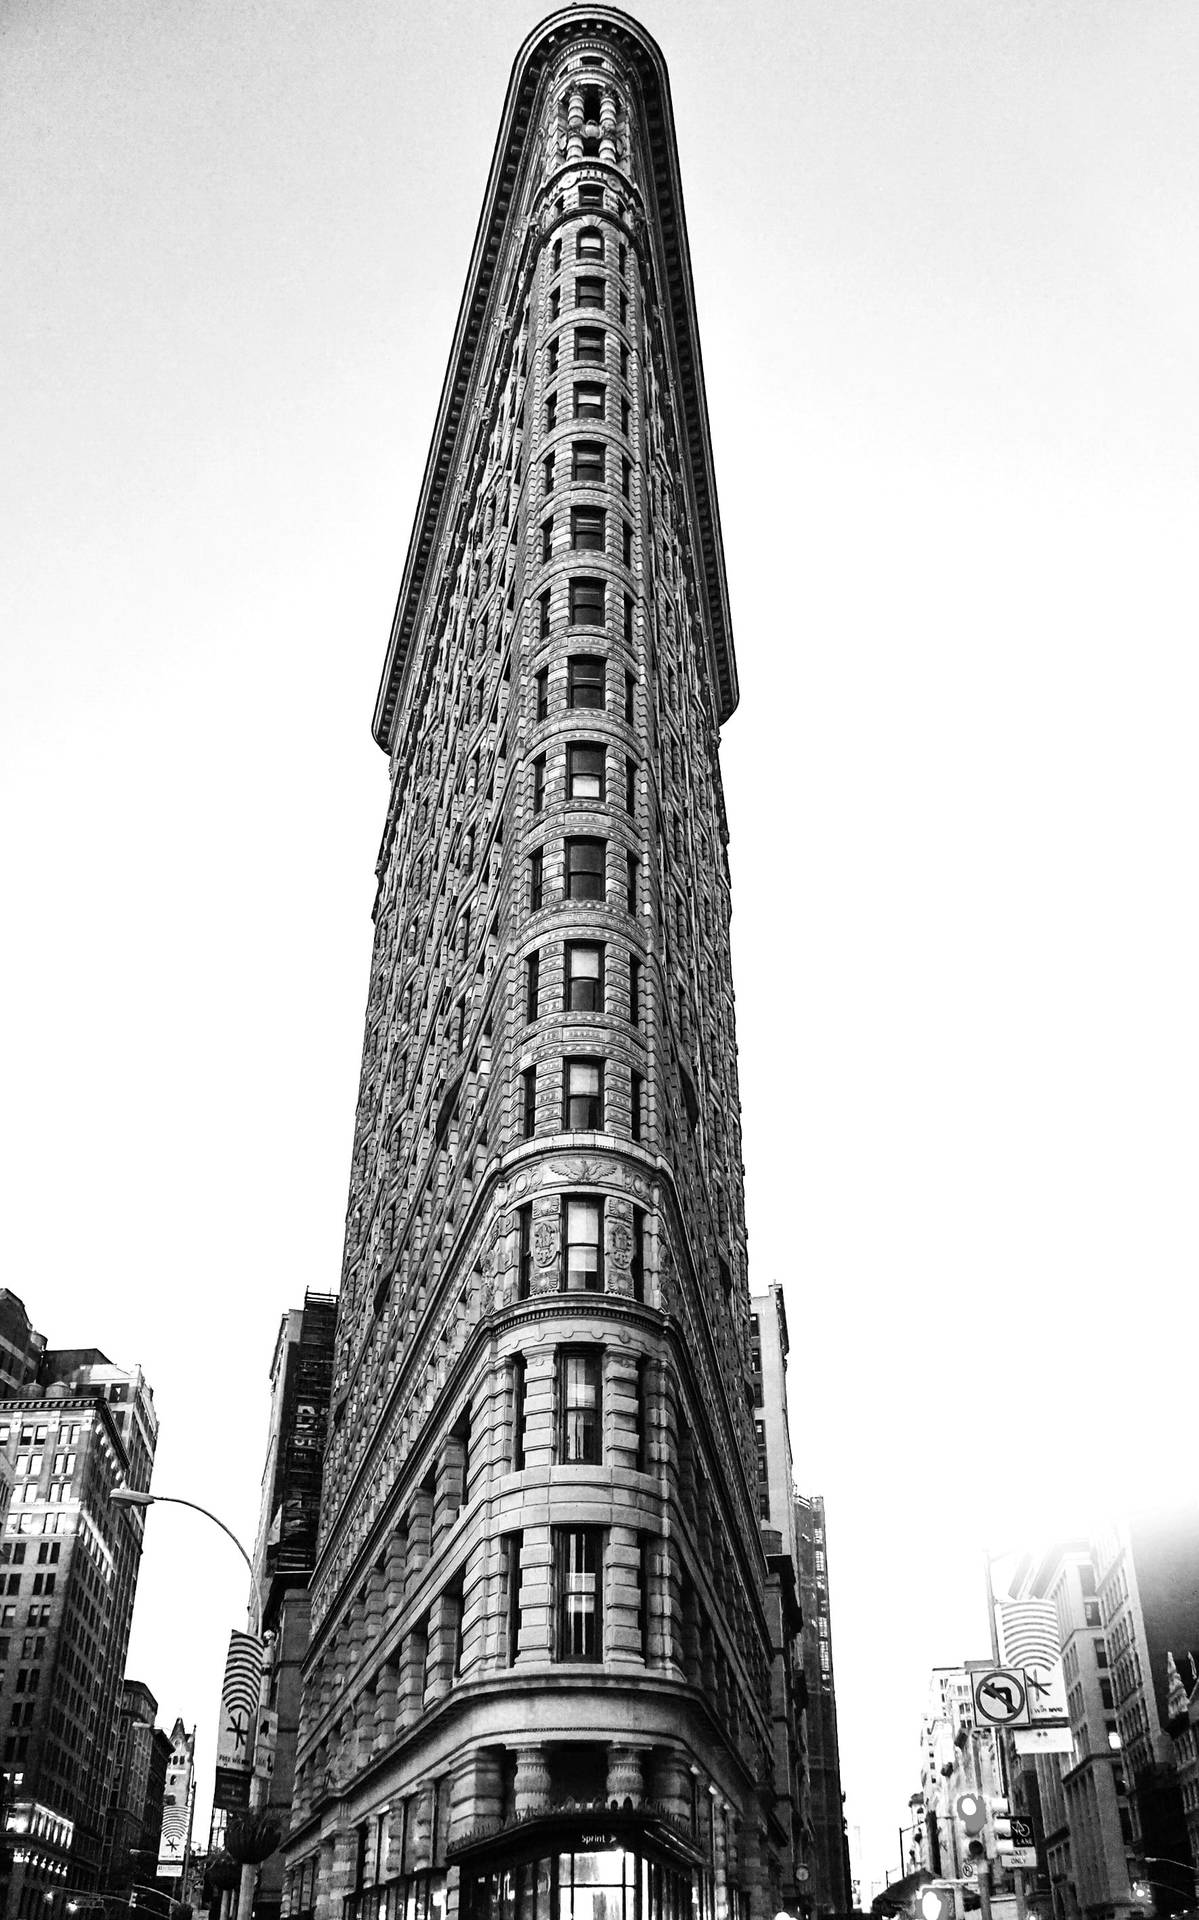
x: 935, y: 1903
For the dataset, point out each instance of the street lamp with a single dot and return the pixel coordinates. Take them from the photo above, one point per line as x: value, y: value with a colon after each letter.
x: 121, y: 1496
x: 130, y: 1497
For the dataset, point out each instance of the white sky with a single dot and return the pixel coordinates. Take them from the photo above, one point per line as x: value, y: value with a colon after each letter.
x: 946, y: 265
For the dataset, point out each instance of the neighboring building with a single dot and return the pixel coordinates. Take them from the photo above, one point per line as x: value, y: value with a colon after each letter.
x: 768, y: 1347
x: 285, y: 1546
x: 69, y: 1572
x: 539, y: 1588
x: 1078, y: 1799
x: 134, y: 1820
x: 178, y: 1810
x: 1147, y: 1569
x: 1182, y: 1702
x: 21, y: 1346
x: 831, y: 1874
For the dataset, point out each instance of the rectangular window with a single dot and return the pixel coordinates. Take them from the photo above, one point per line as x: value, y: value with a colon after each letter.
x: 556, y: 256
x: 591, y: 196
x: 578, y: 1569
x: 624, y: 309
x: 586, y: 602
x: 585, y: 680
x: 634, y: 990
x: 583, y: 1095
x: 630, y: 784
x: 582, y: 1225
x: 585, y: 772
x: 638, y: 1266
x: 551, y: 357
x: 584, y: 978
x: 579, y: 1409
x: 624, y: 362
x: 590, y: 244
x: 532, y: 985
x: 586, y: 865
x: 536, y: 879
x: 547, y: 538
x: 525, y: 1255
x: 626, y: 476
x: 627, y: 546
x: 538, y: 783
x: 542, y: 682
x: 512, y: 1550
x: 626, y: 415
x: 551, y: 412
x: 589, y: 345
x: 632, y: 868
x: 636, y: 1091
x: 589, y: 400
x: 589, y: 291
x: 555, y: 302
x: 548, y: 465
x: 588, y: 529
x: 543, y: 620
x: 528, y: 1102
x: 630, y: 680
x: 587, y: 462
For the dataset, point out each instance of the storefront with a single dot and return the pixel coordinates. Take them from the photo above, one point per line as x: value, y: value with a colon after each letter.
x: 632, y: 1866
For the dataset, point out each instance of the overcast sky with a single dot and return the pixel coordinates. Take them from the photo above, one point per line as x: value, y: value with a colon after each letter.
x: 946, y: 267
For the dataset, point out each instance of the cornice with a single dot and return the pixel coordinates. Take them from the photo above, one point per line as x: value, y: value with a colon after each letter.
x: 543, y: 45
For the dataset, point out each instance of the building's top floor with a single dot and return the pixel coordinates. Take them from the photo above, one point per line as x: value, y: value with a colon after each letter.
x: 21, y: 1346
x: 573, y: 53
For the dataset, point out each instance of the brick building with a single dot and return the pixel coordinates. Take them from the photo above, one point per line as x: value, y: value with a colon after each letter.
x: 540, y: 1661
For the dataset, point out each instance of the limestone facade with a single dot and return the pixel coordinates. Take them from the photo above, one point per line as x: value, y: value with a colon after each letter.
x: 538, y: 1594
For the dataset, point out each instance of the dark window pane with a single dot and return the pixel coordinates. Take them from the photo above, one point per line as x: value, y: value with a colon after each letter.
x: 586, y: 862
x: 585, y: 680
x: 587, y: 602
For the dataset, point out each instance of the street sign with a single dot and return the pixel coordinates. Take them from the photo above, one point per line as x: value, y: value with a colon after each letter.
x: 1001, y: 1698
x: 232, y: 1788
x: 1039, y: 1739
x: 1022, y: 1849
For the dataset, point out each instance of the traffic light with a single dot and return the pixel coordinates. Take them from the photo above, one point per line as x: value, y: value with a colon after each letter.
x: 1001, y: 1825
x: 971, y: 1810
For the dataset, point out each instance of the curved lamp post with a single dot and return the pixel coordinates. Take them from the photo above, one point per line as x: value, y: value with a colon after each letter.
x: 130, y: 1497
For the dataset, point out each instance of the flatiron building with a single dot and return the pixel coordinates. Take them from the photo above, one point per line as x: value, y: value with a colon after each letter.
x: 538, y: 1677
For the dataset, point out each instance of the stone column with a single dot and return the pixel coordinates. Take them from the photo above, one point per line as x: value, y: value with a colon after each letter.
x: 448, y: 1486
x: 420, y: 1828
x: 396, y: 1829
x: 420, y: 1535
x: 532, y: 1789
x: 672, y: 1784
x: 412, y: 1676
x: 607, y: 149
x: 444, y: 1619
x: 393, y: 1595
x: 376, y: 1607
x: 574, y: 125
x: 386, y: 1702
x: 625, y: 1777
x: 476, y: 1793
x: 340, y: 1880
